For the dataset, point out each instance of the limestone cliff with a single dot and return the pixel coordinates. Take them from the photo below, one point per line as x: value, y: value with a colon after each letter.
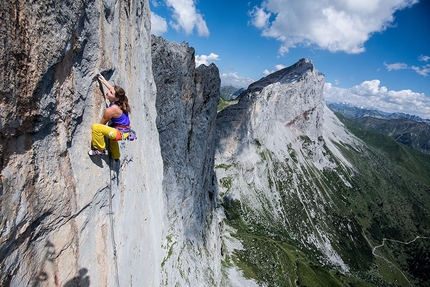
x: 269, y: 144
x: 66, y: 218
x: 187, y: 99
x: 307, y: 203
x: 289, y: 101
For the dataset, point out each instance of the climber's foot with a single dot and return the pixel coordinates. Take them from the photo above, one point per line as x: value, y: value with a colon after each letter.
x: 97, y: 152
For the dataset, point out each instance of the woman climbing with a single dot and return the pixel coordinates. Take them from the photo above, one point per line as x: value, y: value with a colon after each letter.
x: 117, y: 117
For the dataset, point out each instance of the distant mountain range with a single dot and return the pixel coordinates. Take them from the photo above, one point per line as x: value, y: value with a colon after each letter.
x: 230, y: 93
x: 407, y: 129
x: 354, y: 112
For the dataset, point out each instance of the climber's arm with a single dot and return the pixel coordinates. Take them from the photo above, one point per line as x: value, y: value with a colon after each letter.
x: 112, y: 112
x: 104, y: 82
x: 106, y: 118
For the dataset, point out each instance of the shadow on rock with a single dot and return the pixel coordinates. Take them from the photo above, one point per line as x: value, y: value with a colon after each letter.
x: 82, y: 280
x: 98, y: 160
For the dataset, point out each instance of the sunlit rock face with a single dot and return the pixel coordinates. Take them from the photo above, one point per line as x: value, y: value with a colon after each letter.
x: 272, y: 147
x: 290, y: 99
x: 187, y: 99
x: 159, y: 216
x: 68, y: 219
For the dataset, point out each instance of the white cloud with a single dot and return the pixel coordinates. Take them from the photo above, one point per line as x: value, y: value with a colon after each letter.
x: 158, y: 24
x: 267, y: 72
x: 206, y: 60
x: 187, y: 17
x: 234, y: 80
x: 277, y: 68
x: 370, y: 94
x: 280, y: 67
x: 423, y: 71
x: 260, y: 19
x: 154, y: 3
x: 396, y: 66
x: 423, y: 58
x: 335, y: 25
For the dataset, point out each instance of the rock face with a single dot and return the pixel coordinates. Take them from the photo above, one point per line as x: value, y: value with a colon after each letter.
x: 187, y: 100
x: 67, y: 219
x: 309, y: 204
x: 276, y: 109
x: 270, y: 146
x: 292, y: 181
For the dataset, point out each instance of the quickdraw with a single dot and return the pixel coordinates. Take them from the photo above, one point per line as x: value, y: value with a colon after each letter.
x: 131, y: 135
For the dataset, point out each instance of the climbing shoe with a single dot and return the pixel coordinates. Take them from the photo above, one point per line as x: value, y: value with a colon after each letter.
x: 97, y: 152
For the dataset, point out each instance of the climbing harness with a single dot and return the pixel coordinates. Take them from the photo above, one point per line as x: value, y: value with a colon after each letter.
x: 125, y: 133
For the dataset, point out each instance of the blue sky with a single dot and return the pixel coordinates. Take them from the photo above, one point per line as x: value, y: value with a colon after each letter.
x: 372, y: 53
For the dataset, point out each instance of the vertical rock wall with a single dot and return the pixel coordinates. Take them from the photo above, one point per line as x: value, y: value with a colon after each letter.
x: 187, y: 100
x: 66, y: 218
x: 277, y: 149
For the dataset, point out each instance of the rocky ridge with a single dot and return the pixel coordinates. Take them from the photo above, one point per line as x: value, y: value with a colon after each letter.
x: 187, y: 98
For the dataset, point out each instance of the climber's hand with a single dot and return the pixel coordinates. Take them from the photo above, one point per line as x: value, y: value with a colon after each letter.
x: 103, y: 81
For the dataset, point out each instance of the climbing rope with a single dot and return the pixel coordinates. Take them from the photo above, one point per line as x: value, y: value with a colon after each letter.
x: 112, y: 223
x: 110, y: 205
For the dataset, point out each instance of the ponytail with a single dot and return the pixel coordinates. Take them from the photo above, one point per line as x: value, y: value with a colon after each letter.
x: 122, y: 100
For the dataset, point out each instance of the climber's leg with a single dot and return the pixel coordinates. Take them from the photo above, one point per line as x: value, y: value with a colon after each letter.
x: 114, y: 148
x: 100, y: 131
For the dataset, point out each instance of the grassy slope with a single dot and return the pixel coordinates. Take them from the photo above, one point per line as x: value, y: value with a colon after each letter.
x: 412, y: 161
x: 398, y: 208
x: 411, y: 133
x: 222, y: 104
x: 389, y: 199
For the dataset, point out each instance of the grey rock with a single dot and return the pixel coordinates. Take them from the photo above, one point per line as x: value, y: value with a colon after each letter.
x: 66, y: 217
x: 279, y: 132
x: 187, y: 99
x: 291, y: 97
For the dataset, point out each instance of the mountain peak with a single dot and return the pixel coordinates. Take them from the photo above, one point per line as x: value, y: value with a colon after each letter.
x: 287, y: 75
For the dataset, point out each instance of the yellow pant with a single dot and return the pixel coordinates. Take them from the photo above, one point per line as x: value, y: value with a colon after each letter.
x: 100, y: 131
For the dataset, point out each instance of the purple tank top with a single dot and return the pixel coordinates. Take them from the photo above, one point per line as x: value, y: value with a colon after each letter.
x: 122, y: 120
